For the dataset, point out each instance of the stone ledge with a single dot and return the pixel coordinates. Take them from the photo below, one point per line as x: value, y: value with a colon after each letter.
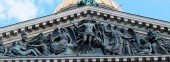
x: 90, y: 59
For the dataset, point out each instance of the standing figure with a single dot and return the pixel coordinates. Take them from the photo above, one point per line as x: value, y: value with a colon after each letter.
x: 134, y: 41
x: 145, y: 48
x: 127, y: 46
x: 87, y: 35
x: 119, y: 40
x: 3, y: 48
x: 109, y: 40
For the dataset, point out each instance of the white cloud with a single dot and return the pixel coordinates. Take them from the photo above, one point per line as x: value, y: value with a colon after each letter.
x: 2, y: 9
x: 14, y: 11
x: 17, y: 9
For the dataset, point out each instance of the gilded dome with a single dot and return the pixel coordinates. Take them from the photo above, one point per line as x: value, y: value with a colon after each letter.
x: 67, y: 3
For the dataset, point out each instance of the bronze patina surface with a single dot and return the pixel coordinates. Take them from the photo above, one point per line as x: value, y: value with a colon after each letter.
x: 87, y: 38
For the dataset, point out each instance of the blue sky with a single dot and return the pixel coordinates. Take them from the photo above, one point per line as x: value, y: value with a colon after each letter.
x: 14, y: 11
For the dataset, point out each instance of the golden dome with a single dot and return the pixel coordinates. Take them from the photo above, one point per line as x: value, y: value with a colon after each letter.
x: 67, y: 3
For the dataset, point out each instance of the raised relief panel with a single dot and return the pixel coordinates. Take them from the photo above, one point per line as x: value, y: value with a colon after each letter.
x: 7, y: 34
x: 15, y: 32
x: 29, y: 29
x: 147, y: 25
x: 112, y: 17
x: 72, y: 16
x: 57, y: 21
x: 22, y: 29
x: 140, y: 23
x: 158, y: 27
x: 125, y: 20
x: 105, y: 16
x: 43, y: 25
x: 65, y: 19
x: 36, y: 27
x: 85, y: 12
x: 162, y: 29
x: 78, y: 14
x: 1, y: 36
x: 119, y: 19
x: 51, y: 23
x: 132, y: 22
x: 92, y: 13
x: 98, y: 14
x: 154, y: 26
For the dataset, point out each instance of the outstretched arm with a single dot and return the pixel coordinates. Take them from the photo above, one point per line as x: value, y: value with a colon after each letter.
x: 35, y: 45
x: 125, y: 37
x: 77, y: 27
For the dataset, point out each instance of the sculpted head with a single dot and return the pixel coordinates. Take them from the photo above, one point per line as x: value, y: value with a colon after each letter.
x: 143, y: 41
x: 24, y: 36
x: 116, y: 27
x: 150, y: 32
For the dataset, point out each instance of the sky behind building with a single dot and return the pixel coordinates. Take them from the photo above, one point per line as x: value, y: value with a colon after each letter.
x: 14, y: 11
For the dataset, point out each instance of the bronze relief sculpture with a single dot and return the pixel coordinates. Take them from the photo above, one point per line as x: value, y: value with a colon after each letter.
x: 87, y: 38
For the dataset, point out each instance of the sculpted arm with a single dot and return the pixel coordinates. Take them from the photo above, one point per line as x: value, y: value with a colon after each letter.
x: 5, y: 50
x: 123, y: 36
x: 150, y: 47
x: 77, y: 26
x: 36, y: 45
x: 106, y: 30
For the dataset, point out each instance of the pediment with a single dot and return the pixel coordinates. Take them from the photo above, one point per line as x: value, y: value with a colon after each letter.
x: 109, y: 31
x: 12, y: 32
x: 89, y: 37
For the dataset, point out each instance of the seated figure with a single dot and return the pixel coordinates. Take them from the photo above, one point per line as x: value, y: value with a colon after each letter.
x: 146, y: 47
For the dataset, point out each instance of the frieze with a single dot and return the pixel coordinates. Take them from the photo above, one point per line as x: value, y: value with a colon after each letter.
x: 87, y: 38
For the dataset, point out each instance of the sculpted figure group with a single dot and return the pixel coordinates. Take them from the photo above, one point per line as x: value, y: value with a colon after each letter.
x: 87, y: 2
x: 87, y: 38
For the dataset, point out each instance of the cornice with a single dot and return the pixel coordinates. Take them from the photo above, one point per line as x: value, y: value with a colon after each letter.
x: 115, y: 58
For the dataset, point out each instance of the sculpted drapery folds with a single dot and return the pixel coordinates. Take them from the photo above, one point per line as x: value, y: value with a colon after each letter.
x: 88, y: 38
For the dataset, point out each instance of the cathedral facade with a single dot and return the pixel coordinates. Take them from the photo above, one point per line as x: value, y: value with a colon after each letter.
x: 86, y: 31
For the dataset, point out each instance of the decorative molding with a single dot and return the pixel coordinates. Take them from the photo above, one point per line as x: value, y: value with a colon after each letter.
x: 90, y: 59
